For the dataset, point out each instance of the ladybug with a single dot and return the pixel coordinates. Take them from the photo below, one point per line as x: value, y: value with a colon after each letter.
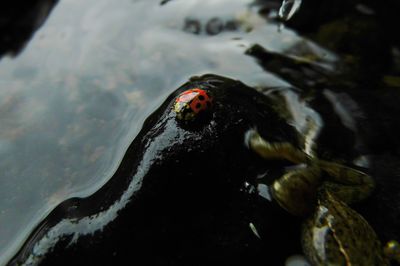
x: 191, y: 103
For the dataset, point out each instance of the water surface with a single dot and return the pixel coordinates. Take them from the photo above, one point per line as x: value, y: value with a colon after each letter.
x: 73, y: 100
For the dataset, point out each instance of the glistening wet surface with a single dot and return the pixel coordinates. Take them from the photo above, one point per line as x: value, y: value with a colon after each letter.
x: 74, y: 98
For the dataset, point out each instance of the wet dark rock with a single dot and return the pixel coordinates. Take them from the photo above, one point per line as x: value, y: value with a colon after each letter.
x: 231, y: 25
x: 163, y: 2
x: 300, y: 73
x: 190, y: 205
x: 18, y: 22
x: 192, y: 26
x: 214, y: 26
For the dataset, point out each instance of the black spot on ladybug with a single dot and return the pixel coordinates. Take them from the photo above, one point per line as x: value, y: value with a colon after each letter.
x: 198, y: 106
x: 201, y: 97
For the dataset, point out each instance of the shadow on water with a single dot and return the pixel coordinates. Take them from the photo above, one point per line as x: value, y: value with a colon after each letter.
x: 75, y: 97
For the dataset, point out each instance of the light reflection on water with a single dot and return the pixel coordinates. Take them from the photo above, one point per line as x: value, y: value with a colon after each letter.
x: 74, y: 99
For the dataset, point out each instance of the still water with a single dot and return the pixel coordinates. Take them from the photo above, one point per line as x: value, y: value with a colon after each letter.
x: 75, y: 97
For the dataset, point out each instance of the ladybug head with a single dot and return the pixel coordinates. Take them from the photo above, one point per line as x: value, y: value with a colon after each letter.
x: 193, y: 104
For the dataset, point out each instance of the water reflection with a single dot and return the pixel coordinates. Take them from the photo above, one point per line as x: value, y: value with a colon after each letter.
x: 74, y: 99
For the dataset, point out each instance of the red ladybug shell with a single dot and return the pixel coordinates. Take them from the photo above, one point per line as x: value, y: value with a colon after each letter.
x: 191, y: 102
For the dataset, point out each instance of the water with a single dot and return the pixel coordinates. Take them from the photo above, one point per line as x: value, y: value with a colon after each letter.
x: 288, y: 9
x: 74, y: 98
